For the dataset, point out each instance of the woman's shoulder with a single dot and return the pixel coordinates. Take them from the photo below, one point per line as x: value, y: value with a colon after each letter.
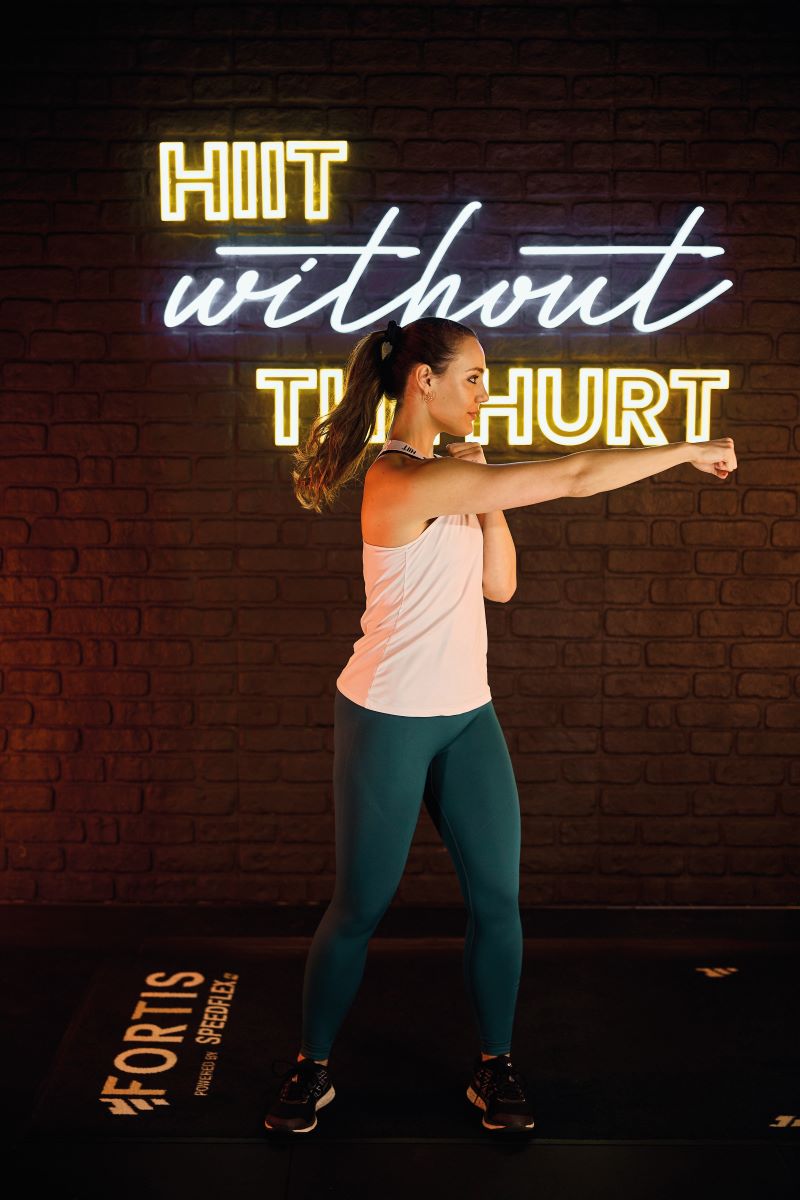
x: 384, y: 467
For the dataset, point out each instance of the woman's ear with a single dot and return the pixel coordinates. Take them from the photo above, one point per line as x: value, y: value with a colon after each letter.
x: 422, y: 376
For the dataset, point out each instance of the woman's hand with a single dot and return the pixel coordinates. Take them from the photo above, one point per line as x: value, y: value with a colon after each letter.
x: 469, y: 450
x: 715, y: 458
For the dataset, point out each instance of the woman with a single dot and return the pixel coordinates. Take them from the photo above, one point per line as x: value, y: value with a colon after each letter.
x: 413, y: 715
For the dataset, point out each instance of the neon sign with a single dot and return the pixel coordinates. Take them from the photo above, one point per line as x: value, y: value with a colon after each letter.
x: 247, y: 181
x: 622, y: 400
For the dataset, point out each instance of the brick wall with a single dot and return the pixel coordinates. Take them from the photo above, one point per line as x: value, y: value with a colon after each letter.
x: 172, y: 620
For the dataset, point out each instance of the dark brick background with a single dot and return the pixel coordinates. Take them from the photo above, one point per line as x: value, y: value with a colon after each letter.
x: 173, y: 621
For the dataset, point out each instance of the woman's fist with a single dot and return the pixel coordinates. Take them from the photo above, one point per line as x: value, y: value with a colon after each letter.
x: 471, y: 451
x: 715, y: 458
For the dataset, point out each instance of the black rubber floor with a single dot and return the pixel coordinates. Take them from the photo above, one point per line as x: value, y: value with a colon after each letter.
x: 658, y: 1067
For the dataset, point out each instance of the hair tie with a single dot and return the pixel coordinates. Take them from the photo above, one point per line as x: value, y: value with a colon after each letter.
x: 389, y: 339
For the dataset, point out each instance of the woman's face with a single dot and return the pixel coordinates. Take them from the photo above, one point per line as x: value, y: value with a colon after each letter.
x: 459, y: 392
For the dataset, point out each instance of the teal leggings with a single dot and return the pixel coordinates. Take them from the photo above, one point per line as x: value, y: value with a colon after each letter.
x: 384, y: 766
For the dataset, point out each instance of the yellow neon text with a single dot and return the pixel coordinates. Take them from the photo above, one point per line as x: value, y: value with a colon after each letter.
x: 620, y: 403
x: 246, y: 180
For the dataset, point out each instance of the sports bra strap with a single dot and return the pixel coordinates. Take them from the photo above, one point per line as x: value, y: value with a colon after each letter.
x: 397, y: 445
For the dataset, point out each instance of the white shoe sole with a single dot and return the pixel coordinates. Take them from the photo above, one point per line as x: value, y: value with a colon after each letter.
x: 323, y: 1100
x: 475, y: 1099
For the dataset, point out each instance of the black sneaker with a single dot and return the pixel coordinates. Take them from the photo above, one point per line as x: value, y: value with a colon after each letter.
x: 306, y: 1086
x: 499, y: 1089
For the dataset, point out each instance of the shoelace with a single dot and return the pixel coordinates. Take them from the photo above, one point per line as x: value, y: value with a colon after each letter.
x: 508, y: 1083
x: 300, y: 1084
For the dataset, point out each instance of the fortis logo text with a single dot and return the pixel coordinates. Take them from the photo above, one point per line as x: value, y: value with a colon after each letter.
x: 160, y: 1019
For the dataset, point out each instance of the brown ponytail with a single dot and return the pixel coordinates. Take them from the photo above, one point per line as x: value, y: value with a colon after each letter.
x: 336, y: 445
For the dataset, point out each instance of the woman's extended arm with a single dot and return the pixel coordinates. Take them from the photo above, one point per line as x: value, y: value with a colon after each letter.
x: 612, y: 467
x: 445, y: 485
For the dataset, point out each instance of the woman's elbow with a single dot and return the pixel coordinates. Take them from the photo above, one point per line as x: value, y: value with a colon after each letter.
x: 500, y: 597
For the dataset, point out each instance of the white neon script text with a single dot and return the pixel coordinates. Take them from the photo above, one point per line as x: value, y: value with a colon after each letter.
x: 422, y: 294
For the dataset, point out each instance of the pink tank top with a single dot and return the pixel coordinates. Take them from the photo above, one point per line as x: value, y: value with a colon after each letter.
x: 423, y: 648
